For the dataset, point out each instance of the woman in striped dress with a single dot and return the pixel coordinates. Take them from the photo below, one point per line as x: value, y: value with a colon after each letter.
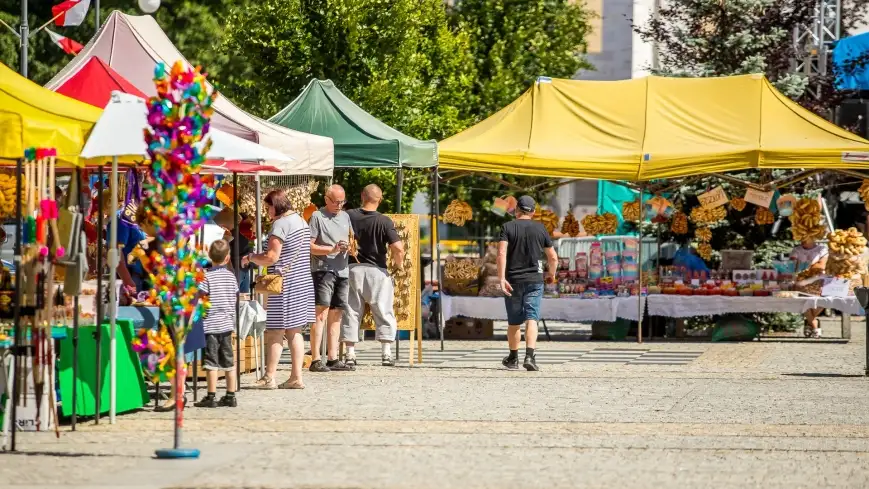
x: 288, y: 253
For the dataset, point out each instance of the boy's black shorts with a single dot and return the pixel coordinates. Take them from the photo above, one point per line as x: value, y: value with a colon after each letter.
x: 218, y: 351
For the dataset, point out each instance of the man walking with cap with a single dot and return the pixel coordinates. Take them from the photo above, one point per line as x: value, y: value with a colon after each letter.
x: 521, y: 246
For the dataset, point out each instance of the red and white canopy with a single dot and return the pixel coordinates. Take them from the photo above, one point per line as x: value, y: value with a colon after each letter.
x: 132, y: 46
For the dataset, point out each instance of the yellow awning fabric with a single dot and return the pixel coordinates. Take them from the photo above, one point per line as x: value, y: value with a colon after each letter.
x: 651, y: 128
x: 33, y: 116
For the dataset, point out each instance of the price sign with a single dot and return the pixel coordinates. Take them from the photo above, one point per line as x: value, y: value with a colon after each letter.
x: 713, y: 198
x: 759, y: 198
x: 836, y: 287
x: 695, y: 282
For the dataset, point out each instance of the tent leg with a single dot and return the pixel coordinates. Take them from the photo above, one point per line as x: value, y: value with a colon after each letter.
x: 16, y: 340
x: 113, y: 294
x: 75, y: 314
x: 640, y: 260
x: 436, y: 253
x: 98, y: 373
x: 236, y: 265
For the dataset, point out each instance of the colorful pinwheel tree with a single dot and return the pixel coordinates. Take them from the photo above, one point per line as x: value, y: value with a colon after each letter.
x: 175, y: 206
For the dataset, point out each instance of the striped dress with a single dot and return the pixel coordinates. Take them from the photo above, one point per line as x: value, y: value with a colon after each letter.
x: 294, y: 307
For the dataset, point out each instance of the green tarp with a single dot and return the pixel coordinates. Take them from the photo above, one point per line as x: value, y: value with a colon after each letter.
x: 361, y: 141
x: 132, y: 392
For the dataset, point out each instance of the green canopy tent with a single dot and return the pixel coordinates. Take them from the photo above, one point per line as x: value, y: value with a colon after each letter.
x: 361, y: 140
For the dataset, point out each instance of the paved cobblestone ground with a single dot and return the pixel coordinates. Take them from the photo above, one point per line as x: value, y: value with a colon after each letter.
x: 774, y: 414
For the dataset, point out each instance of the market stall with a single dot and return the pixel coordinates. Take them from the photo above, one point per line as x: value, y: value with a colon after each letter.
x: 653, y: 135
x: 363, y: 141
x: 119, y: 132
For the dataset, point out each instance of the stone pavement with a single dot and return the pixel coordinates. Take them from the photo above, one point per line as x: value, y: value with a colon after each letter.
x: 783, y: 413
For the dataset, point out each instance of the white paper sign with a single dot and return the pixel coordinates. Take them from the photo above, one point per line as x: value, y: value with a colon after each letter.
x: 759, y: 198
x: 713, y: 198
x: 837, y: 287
x: 695, y: 282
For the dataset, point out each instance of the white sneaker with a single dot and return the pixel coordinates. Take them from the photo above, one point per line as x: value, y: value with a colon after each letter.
x: 387, y: 361
x: 816, y: 333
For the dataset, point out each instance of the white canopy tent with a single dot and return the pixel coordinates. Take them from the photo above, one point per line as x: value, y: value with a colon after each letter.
x: 133, y: 45
x: 119, y: 132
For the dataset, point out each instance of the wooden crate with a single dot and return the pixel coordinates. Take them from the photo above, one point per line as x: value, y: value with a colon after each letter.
x: 247, y: 358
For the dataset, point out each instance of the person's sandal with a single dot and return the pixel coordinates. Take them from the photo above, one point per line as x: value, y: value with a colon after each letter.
x: 169, y: 407
x: 292, y: 385
x: 265, y: 383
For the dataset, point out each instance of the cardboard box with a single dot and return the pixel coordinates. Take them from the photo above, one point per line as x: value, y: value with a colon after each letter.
x: 469, y: 329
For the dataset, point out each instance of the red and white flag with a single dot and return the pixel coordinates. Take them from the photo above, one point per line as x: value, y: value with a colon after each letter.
x: 65, y: 43
x: 70, y: 12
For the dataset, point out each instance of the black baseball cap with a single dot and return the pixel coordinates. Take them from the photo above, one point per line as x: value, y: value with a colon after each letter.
x: 526, y: 204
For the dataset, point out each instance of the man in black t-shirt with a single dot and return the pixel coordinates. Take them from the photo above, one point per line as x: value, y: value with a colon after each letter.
x: 521, y: 246
x: 370, y: 282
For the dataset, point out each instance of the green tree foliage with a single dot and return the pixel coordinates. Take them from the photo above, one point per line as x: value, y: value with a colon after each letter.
x: 515, y: 41
x: 195, y: 26
x: 398, y: 60
x: 715, y: 38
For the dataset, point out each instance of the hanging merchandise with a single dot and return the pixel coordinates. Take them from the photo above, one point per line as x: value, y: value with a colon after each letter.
x: 706, y: 215
x: 8, y: 196
x: 846, y: 253
x: 631, y: 211
x: 458, y: 212
x: 737, y: 204
x: 763, y: 216
x: 786, y: 204
x: 864, y: 193
x: 502, y: 206
x: 806, y: 220
x: 548, y: 218
x: 680, y: 223
x: 703, y: 234
x: 594, y: 225
x: 570, y: 226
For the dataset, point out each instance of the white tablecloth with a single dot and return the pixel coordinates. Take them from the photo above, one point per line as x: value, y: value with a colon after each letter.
x: 680, y: 306
x: 572, y: 310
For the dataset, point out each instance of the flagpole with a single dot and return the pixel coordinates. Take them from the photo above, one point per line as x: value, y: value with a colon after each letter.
x: 23, y: 38
x: 43, y: 26
x: 97, y: 16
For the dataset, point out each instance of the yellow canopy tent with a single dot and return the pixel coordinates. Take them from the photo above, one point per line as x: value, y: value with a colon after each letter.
x: 33, y: 116
x: 651, y: 128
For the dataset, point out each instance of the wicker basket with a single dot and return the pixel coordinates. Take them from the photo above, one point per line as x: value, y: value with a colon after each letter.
x: 463, y: 287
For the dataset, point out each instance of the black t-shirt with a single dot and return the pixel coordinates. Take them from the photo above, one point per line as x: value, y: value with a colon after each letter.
x: 374, y: 233
x: 526, y: 239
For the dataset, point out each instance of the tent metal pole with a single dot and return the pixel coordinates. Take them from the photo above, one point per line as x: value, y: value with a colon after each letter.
x: 236, y: 265
x: 258, y: 248
x: 75, y: 306
x: 399, y: 184
x: 98, y: 373
x: 640, y: 259
x: 113, y: 294
x: 24, y: 38
x: 16, y: 339
x: 436, y: 257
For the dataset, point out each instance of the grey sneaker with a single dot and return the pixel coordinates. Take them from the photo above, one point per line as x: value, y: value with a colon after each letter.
x: 350, y: 361
x: 265, y: 383
x: 387, y: 361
